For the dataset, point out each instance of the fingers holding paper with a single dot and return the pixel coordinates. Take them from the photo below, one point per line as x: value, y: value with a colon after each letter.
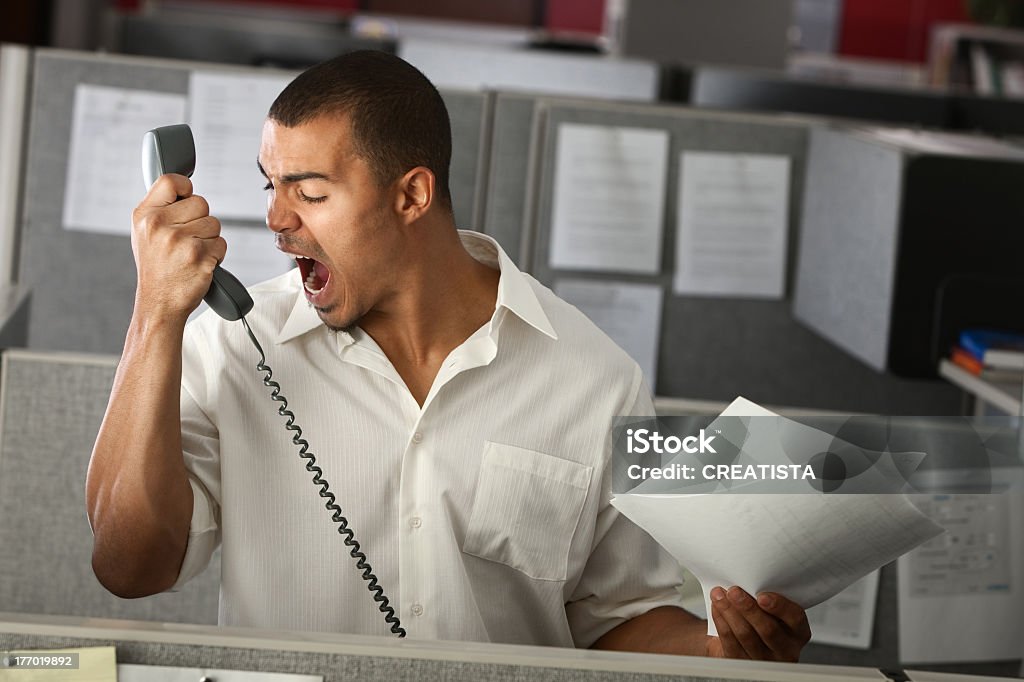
x: 770, y: 627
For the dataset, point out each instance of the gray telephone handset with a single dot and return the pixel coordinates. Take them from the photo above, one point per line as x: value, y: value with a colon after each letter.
x: 171, y: 149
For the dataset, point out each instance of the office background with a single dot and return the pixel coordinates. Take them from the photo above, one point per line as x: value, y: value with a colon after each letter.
x: 892, y: 244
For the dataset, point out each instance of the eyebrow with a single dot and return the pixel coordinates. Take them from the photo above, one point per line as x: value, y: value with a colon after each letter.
x: 294, y: 177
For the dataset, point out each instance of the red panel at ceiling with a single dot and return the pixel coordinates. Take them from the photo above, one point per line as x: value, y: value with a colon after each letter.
x: 585, y: 16
x: 894, y: 29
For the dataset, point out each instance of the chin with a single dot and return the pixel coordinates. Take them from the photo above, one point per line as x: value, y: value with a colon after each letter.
x: 334, y: 321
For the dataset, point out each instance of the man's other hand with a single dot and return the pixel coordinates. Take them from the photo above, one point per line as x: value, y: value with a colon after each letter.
x: 768, y: 628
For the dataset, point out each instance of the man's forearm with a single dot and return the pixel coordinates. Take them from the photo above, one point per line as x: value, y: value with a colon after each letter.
x: 138, y: 498
x: 664, y: 630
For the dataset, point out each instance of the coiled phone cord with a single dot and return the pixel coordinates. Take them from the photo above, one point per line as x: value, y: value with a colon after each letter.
x: 383, y: 605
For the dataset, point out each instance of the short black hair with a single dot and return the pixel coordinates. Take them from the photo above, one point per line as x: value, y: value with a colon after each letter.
x: 398, y: 118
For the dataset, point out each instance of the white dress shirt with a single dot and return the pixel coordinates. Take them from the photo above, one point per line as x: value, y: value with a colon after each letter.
x: 484, y: 513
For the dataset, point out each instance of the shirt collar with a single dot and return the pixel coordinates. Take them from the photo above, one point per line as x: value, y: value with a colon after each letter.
x: 514, y: 292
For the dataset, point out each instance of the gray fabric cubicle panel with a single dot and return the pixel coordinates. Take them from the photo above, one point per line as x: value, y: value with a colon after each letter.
x: 469, y: 113
x: 82, y: 284
x: 335, y: 667
x: 52, y: 406
x: 509, y: 175
x: 88, y: 306
x: 347, y: 657
x: 718, y: 348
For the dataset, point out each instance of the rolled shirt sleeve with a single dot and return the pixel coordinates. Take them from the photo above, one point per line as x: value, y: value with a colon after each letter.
x: 628, y: 573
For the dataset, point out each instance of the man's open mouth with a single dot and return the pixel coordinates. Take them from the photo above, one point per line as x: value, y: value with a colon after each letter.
x: 315, y: 274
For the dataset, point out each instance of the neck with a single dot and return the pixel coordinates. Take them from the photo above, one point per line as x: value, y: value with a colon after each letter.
x: 444, y: 296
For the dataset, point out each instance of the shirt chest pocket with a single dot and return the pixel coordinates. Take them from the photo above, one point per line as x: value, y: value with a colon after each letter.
x: 526, y: 510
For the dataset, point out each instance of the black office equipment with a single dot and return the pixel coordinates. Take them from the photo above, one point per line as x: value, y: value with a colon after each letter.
x: 762, y: 90
x: 906, y: 237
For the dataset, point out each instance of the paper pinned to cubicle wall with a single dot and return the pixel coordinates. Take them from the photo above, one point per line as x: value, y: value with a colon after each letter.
x: 628, y: 313
x: 104, y: 174
x: 847, y: 619
x: 609, y: 199
x: 226, y: 112
x: 161, y: 673
x: 732, y: 225
x: 808, y: 547
x: 961, y: 596
x: 252, y: 256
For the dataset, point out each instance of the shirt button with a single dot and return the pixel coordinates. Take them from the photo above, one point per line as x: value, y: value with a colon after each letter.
x: 415, y: 522
x: 417, y: 610
x: 417, y: 437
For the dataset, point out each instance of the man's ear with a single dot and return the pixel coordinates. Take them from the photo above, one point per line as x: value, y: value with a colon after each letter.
x: 416, y: 193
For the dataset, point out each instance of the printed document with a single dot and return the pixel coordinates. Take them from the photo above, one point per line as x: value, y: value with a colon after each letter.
x: 251, y: 256
x: 226, y: 112
x: 961, y: 595
x: 628, y: 313
x: 732, y: 225
x: 609, y: 199
x: 848, y: 618
x: 104, y: 174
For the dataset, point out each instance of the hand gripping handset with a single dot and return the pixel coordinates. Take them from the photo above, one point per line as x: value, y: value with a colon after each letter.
x: 171, y: 149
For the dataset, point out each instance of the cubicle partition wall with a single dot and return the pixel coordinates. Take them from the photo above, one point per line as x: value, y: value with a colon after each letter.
x: 470, y: 114
x: 83, y: 283
x: 218, y: 34
x: 477, y: 66
x: 15, y: 75
x: 716, y: 348
x: 510, y: 176
x: 51, y: 406
x: 215, y: 653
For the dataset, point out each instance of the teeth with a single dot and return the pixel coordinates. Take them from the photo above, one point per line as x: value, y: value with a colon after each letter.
x: 310, y: 283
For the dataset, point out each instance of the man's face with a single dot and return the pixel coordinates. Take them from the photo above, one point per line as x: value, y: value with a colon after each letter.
x: 325, y: 205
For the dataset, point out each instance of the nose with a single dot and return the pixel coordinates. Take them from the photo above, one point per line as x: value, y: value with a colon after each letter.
x: 280, y: 217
